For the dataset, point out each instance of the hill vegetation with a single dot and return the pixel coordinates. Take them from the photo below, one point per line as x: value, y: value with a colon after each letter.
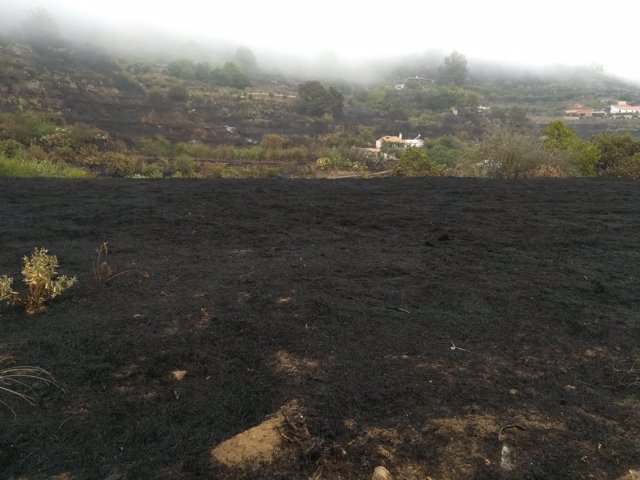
x: 67, y: 110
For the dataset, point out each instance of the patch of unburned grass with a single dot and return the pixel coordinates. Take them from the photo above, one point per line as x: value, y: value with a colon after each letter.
x: 16, y: 167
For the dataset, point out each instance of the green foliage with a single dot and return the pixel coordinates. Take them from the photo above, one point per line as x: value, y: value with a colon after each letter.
x: 183, y: 164
x: 28, y: 127
x: 82, y: 135
x: 42, y: 281
x: 614, y: 150
x: 139, y: 68
x: 454, y: 69
x: 414, y: 162
x: 156, y: 169
x: 116, y: 164
x: 155, y: 147
x: 509, y: 153
x: 512, y: 118
x: 192, y: 149
x: 229, y: 153
x: 445, y: 150
x: 272, y: 141
x: 557, y: 135
x: 177, y: 93
x: 181, y: 68
x: 60, y: 137
x: 17, y: 167
x: 11, y: 149
x: 335, y: 159
x: 628, y: 167
x: 315, y: 100
x: 230, y: 75
x: 558, y: 138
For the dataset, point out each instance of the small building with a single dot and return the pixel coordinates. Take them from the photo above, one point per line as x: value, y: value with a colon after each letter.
x: 623, y: 108
x: 406, y: 143
x: 579, y: 111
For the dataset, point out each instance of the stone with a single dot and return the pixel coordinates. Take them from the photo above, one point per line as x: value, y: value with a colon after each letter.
x: 381, y: 473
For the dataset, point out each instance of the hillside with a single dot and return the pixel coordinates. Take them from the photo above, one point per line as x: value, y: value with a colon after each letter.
x: 75, y: 111
x: 130, y: 98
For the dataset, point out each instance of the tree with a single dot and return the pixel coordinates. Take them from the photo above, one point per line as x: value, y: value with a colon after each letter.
x: 182, y: 69
x: 509, y: 153
x: 628, y: 167
x: 414, y: 162
x: 272, y: 141
x: 558, y: 138
x: 234, y: 76
x: 614, y: 149
x: 454, y: 69
x: 315, y: 100
x: 246, y: 59
x: 336, y: 102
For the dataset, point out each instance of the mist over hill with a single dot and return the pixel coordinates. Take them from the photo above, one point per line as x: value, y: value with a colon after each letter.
x: 150, y: 94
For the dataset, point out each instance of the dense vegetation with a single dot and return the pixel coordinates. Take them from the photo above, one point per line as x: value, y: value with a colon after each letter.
x: 70, y: 112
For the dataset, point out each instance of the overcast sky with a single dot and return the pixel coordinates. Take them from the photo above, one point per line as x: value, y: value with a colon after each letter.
x: 538, y: 32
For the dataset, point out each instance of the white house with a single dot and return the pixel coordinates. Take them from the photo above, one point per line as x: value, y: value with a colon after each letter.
x: 622, y: 108
x: 415, y: 142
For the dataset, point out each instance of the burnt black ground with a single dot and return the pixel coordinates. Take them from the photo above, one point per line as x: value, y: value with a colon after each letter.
x: 346, y: 296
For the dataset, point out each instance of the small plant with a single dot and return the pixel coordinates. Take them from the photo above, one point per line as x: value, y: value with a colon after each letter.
x: 103, y: 273
x: 17, y: 381
x: 43, y: 283
x: 101, y: 269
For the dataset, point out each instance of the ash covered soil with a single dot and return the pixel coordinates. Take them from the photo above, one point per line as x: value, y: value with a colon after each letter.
x: 443, y: 328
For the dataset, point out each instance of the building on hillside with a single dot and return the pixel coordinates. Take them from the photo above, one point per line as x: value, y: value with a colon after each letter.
x: 579, y: 111
x: 623, y: 108
x: 414, y: 142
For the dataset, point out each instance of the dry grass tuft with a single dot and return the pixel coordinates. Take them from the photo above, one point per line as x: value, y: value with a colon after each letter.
x: 18, y: 382
x: 101, y: 269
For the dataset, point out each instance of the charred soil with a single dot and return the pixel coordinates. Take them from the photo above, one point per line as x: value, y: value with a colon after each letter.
x: 444, y: 328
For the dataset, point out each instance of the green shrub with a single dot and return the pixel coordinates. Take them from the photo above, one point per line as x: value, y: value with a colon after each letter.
x: 509, y: 153
x: 41, y: 279
x: 614, y: 149
x: 335, y: 160
x: 184, y: 165
x: 192, y: 149
x: 155, y: 147
x: 558, y: 138
x: 155, y: 169
x: 627, y: 167
x: 27, y: 127
x: 272, y: 141
x: 16, y: 167
x: 117, y: 164
x: 177, y: 93
x: 414, y: 162
x: 11, y: 148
